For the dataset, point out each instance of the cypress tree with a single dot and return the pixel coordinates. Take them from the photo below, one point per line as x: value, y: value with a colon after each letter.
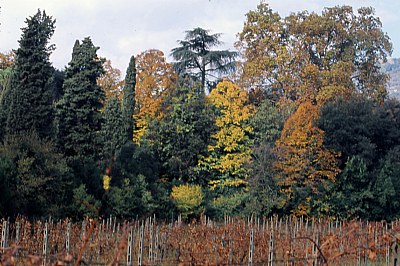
x: 128, y: 101
x: 30, y: 103
x: 78, y: 111
x: 112, y: 128
x: 4, y: 111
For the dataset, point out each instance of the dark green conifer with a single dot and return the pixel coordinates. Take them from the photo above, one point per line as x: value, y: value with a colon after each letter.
x: 112, y: 128
x: 78, y: 111
x: 30, y: 102
x: 128, y: 101
x: 194, y: 56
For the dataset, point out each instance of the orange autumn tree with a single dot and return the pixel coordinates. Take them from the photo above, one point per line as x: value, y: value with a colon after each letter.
x: 155, y: 77
x: 111, y: 81
x: 7, y: 59
x: 305, y: 167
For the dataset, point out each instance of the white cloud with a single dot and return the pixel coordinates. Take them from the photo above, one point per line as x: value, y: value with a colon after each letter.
x: 125, y: 27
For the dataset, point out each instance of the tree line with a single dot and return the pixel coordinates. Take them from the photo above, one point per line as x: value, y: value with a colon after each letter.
x: 297, y: 121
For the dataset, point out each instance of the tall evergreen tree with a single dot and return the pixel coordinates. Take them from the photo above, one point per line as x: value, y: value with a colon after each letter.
x: 30, y: 97
x: 128, y: 100
x: 78, y: 111
x: 194, y: 55
x: 112, y: 128
x: 6, y: 63
x: 4, y: 110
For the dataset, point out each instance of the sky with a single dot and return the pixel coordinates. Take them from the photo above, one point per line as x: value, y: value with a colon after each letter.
x: 122, y: 28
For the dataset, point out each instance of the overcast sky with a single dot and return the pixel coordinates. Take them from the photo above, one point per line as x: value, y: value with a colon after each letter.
x: 122, y: 28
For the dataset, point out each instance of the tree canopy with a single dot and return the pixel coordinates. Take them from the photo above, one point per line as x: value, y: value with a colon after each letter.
x: 194, y: 56
x: 301, y: 125
x: 307, y: 54
x: 155, y: 80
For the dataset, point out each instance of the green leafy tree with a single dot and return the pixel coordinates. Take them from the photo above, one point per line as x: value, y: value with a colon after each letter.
x: 183, y: 134
x: 188, y: 200
x: 389, y: 125
x: 36, y: 177
x: 353, y: 194
x: 84, y: 204
x: 30, y: 99
x: 269, y: 120
x: 268, y: 123
x: 7, y: 171
x: 133, y: 199
x: 56, y: 85
x: 133, y: 189
x: 228, y: 204
x: 6, y: 63
x: 132, y: 167
x: 5, y: 77
x: 387, y: 187
x: 194, y: 55
x: 112, y: 135
x: 352, y: 127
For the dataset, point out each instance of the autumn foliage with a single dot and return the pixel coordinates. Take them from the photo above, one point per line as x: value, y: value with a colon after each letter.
x: 231, y: 148
x: 188, y: 199
x: 304, y: 164
x: 155, y: 77
x: 302, y: 125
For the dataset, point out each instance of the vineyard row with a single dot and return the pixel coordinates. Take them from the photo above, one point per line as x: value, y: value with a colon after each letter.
x: 267, y: 241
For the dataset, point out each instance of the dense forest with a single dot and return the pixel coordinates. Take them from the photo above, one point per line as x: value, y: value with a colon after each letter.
x: 296, y: 121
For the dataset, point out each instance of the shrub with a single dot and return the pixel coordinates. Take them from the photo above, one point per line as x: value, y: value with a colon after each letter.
x: 188, y: 199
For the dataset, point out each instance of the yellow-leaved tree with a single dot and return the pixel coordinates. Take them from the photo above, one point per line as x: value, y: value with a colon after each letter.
x: 231, y: 147
x: 188, y: 199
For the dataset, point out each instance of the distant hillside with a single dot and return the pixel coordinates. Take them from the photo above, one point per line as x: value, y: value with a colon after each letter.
x: 392, y: 67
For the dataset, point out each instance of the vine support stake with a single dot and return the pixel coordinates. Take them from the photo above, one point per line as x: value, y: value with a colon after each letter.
x: 68, y: 237
x: 141, y: 242
x: 4, y: 235
x: 271, y: 248
x: 17, y: 229
x: 129, y: 249
x: 251, y: 247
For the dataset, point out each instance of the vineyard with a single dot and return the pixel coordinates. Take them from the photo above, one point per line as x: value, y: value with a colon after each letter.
x: 272, y: 241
